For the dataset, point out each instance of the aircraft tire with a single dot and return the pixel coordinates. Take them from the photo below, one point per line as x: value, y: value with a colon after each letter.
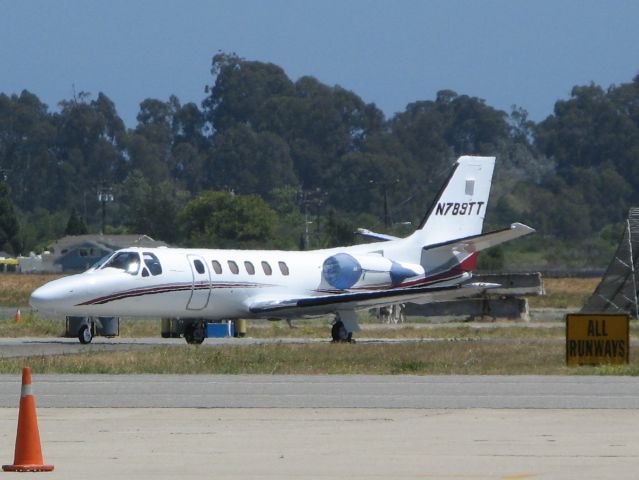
x: 85, y: 335
x: 339, y: 333
x: 194, y: 334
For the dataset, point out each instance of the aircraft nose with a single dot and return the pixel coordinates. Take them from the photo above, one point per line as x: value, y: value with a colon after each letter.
x: 56, y: 296
x: 41, y: 298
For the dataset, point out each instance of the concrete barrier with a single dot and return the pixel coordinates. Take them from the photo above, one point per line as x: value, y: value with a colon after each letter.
x: 502, y: 302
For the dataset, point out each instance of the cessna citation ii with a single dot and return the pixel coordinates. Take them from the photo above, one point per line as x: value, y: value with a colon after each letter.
x: 197, y: 285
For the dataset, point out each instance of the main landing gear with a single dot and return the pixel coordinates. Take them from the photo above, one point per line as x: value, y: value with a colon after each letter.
x: 194, y: 332
x: 344, y: 326
x: 340, y: 334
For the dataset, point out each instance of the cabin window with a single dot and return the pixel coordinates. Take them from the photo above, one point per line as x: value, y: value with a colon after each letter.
x: 199, y: 266
x: 127, y: 261
x: 249, y: 268
x: 217, y: 268
x: 233, y: 266
x: 152, y: 263
x: 283, y: 268
x: 267, y: 268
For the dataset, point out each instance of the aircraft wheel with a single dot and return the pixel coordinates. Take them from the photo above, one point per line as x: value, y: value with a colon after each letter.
x: 194, y: 333
x: 85, y: 335
x: 339, y: 333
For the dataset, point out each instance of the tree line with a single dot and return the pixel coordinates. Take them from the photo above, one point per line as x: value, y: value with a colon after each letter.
x: 267, y: 161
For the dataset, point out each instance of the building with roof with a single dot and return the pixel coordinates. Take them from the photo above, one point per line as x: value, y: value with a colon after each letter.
x: 76, y: 253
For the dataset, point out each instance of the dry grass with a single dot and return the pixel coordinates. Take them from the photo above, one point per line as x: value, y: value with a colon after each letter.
x: 565, y: 292
x: 15, y: 288
x: 31, y: 326
x: 140, y: 328
x: 320, y: 329
x: 572, y: 285
x: 432, y: 358
x: 34, y: 326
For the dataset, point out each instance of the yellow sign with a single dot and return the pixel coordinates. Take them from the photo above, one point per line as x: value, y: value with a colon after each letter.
x: 592, y: 339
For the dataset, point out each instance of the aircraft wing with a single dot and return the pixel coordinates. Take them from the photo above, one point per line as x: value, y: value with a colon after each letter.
x: 324, y: 304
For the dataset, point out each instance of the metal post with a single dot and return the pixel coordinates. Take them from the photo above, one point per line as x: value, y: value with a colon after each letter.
x: 105, y: 194
x: 306, y: 222
x: 386, y: 219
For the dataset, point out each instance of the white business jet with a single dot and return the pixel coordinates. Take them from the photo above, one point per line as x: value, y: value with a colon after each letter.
x: 196, y: 285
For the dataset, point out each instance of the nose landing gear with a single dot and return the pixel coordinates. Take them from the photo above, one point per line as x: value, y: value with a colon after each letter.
x: 85, y: 335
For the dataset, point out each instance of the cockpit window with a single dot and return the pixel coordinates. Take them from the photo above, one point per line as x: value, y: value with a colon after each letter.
x: 199, y: 267
x: 97, y: 265
x: 127, y: 261
x: 152, y: 263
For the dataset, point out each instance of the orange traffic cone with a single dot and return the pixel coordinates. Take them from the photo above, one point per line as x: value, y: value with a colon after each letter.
x: 28, y: 454
x: 18, y: 316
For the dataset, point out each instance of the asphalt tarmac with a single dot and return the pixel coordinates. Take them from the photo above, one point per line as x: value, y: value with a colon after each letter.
x: 328, y: 391
x: 329, y: 427
x: 23, y: 347
x: 275, y: 444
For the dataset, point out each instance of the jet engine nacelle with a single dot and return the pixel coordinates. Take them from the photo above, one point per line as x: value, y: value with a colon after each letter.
x: 344, y: 271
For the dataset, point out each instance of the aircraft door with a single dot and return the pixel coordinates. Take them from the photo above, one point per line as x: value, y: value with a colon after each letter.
x: 201, y: 288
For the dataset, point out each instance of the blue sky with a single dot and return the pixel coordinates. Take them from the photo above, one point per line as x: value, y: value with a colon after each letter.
x: 388, y: 52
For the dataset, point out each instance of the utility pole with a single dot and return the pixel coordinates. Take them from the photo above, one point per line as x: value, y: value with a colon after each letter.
x: 386, y: 219
x: 313, y: 198
x: 384, y: 187
x: 105, y: 194
x: 306, y: 222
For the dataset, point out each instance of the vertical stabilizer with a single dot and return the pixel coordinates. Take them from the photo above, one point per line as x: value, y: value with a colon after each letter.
x: 460, y: 207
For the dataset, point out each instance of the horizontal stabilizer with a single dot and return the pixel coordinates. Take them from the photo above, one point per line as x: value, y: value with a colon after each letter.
x: 375, y: 236
x: 481, y: 285
x: 477, y: 243
x: 462, y: 252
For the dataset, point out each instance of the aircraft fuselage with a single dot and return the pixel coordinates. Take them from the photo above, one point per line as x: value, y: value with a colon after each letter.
x: 203, y: 283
